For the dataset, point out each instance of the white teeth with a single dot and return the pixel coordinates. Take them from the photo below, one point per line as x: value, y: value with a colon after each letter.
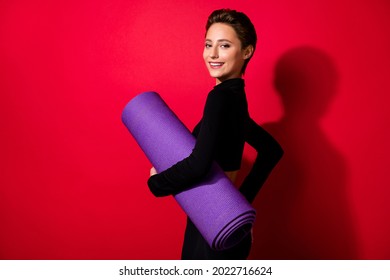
x: 215, y: 64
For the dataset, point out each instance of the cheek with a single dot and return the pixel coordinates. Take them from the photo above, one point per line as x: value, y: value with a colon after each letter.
x: 240, y: 58
x: 226, y: 56
x: 233, y: 56
x: 234, y: 59
x: 205, y: 55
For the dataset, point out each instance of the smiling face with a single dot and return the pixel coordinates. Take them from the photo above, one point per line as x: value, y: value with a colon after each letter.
x: 223, y: 53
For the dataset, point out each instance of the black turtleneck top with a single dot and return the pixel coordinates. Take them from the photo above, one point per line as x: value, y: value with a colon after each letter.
x: 220, y: 136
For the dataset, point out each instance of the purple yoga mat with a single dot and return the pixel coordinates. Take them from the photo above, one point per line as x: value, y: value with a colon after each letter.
x: 219, y: 211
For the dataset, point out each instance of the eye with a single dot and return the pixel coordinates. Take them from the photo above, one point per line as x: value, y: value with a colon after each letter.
x: 207, y: 45
x: 225, y: 46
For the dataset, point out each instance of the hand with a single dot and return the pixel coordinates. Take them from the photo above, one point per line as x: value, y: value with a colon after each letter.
x: 153, y: 171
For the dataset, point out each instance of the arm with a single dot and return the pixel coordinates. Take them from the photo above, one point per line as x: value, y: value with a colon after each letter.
x: 269, y: 152
x: 191, y: 169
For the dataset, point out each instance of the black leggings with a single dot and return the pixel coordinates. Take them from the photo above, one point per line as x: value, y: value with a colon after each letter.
x: 195, y: 247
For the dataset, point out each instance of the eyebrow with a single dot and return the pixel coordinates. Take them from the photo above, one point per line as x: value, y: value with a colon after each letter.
x: 220, y: 40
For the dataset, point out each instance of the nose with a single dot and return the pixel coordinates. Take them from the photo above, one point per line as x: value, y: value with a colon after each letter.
x: 213, y: 53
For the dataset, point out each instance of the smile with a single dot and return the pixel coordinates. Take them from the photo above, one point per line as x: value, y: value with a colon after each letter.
x: 216, y: 65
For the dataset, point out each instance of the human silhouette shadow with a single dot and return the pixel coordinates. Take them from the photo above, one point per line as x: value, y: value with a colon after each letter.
x: 302, y: 209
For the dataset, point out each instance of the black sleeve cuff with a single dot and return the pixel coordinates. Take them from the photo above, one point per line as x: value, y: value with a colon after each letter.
x: 159, y: 186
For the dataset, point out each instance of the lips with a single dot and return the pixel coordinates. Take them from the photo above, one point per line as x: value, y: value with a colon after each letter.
x: 216, y: 65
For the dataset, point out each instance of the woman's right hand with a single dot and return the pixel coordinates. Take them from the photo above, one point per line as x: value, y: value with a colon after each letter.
x: 153, y: 171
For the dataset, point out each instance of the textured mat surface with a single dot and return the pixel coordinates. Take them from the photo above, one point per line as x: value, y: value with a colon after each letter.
x: 215, y: 206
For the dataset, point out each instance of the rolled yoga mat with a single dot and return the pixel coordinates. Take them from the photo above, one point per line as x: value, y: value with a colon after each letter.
x: 218, y: 210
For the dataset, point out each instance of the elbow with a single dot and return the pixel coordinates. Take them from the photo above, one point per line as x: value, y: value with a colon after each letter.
x: 274, y: 153
x: 279, y: 152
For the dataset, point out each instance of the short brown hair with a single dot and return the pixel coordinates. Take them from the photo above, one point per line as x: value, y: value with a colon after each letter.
x: 241, y: 24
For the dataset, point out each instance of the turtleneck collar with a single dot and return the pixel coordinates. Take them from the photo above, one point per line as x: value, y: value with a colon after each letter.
x: 235, y: 82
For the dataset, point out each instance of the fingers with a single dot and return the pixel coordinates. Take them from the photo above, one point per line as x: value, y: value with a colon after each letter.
x: 153, y: 171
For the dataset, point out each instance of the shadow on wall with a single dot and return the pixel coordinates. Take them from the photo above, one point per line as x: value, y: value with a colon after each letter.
x: 303, y: 209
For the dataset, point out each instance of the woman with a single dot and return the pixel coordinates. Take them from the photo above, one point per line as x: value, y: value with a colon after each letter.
x: 230, y: 42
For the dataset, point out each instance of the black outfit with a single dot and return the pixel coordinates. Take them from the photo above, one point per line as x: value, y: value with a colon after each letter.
x: 220, y: 136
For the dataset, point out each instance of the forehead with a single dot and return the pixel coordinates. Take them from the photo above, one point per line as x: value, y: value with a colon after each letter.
x: 221, y: 31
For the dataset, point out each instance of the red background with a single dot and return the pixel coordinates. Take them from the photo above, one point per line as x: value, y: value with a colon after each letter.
x: 73, y: 180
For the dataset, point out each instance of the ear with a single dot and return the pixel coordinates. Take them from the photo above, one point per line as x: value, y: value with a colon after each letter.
x: 248, y: 52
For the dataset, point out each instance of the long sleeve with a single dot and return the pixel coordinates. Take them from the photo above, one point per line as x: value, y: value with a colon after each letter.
x: 191, y: 169
x: 269, y: 152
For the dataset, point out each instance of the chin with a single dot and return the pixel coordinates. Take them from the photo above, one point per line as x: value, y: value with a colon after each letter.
x: 215, y: 75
